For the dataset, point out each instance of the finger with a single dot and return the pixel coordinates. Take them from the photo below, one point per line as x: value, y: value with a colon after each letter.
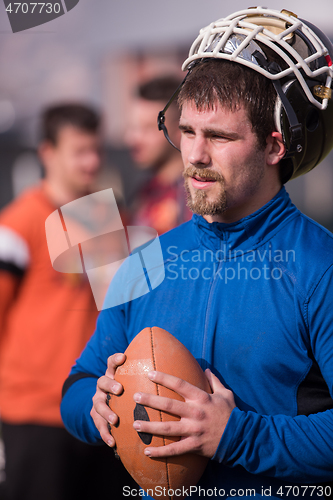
x: 103, y: 428
x: 113, y: 362
x: 170, y: 450
x: 160, y: 403
x: 183, y: 388
x: 101, y: 407
x: 171, y: 428
x: 219, y: 389
x: 215, y: 383
x: 108, y: 385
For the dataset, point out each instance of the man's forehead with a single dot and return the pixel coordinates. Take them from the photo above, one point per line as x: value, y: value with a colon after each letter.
x: 213, y: 113
x: 70, y: 134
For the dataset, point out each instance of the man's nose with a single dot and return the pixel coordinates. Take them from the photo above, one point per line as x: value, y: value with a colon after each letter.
x: 199, y: 155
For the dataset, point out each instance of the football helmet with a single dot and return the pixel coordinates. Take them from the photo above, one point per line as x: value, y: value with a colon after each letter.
x: 297, y: 57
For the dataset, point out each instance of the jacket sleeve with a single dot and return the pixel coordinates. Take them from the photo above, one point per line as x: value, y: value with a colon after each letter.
x: 9, y: 285
x: 109, y: 338
x: 80, y: 386
x: 296, y: 448
x: 14, y: 260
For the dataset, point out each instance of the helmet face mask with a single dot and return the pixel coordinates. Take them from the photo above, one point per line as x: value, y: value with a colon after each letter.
x: 301, y: 72
x: 290, y: 38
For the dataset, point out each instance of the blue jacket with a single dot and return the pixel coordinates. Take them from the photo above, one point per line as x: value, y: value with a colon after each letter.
x: 251, y: 300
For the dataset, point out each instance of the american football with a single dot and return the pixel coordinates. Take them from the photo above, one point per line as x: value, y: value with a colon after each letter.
x: 154, y: 349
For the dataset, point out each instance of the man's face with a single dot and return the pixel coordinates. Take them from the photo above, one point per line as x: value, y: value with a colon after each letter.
x: 75, y: 160
x: 224, y: 169
x: 147, y: 144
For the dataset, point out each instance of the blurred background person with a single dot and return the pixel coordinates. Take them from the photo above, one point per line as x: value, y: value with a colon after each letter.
x: 161, y: 203
x: 46, y: 318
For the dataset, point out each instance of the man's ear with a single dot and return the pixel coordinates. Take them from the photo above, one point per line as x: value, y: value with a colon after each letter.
x: 275, y: 149
x: 45, y: 152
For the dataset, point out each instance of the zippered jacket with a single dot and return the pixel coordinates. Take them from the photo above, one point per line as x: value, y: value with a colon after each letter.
x: 253, y: 301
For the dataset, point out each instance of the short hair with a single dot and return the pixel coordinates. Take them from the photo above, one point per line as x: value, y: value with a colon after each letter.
x: 158, y: 89
x: 216, y: 81
x: 57, y: 117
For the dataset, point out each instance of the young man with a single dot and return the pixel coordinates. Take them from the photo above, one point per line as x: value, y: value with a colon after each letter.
x: 248, y: 285
x: 161, y: 203
x: 46, y: 319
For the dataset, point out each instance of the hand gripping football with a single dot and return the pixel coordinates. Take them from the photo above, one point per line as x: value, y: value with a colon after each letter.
x: 155, y: 349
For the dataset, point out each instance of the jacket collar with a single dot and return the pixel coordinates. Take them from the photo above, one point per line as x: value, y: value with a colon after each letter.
x: 253, y: 230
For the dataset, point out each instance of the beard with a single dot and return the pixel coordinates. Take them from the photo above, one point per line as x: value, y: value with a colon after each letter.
x: 197, y: 201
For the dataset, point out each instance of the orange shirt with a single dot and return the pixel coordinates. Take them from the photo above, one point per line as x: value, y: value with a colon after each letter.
x: 47, y: 325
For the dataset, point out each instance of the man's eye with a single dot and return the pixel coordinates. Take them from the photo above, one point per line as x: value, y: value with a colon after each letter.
x: 219, y: 137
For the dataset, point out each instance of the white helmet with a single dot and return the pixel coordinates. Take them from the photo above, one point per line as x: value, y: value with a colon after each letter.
x: 304, y: 109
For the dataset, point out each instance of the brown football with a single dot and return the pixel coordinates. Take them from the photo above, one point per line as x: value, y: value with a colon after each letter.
x: 155, y: 349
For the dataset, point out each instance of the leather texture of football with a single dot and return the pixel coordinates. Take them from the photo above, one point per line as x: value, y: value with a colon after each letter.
x: 155, y: 349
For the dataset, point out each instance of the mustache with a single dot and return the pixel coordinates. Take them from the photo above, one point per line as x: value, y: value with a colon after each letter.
x: 203, y: 173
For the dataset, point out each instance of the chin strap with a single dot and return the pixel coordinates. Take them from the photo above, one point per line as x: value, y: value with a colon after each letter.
x: 295, y: 128
x: 161, y: 114
x: 161, y: 125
